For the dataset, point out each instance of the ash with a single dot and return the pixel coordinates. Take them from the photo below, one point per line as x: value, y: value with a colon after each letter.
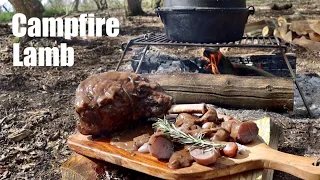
x: 156, y: 62
x: 310, y: 85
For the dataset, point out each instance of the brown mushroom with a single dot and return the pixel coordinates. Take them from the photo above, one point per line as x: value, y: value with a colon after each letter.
x: 220, y: 135
x: 210, y: 116
x: 180, y: 159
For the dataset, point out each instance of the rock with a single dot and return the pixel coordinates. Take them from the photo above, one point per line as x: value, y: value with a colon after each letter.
x: 19, y: 135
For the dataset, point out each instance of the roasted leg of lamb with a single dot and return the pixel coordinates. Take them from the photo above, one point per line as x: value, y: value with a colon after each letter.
x: 110, y: 101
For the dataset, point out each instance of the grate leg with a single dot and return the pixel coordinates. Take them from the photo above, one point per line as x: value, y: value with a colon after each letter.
x: 296, y: 83
x: 142, y: 57
x: 123, y: 54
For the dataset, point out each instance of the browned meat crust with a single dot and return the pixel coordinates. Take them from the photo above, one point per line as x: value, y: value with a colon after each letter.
x: 109, y: 101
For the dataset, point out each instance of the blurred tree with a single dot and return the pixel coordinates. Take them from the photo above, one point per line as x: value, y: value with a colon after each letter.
x: 101, y: 4
x: 30, y: 8
x: 133, y: 7
x: 157, y: 3
x: 76, y: 5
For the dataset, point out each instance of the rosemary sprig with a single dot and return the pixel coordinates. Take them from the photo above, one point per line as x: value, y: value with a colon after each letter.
x: 183, y: 138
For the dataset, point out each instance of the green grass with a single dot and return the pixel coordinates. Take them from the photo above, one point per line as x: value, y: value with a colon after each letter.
x: 54, y: 12
x: 6, y: 17
x: 49, y: 12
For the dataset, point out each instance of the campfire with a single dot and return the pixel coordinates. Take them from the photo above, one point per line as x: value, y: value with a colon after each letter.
x: 219, y: 64
x: 213, y: 57
x: 210, y: 61
x: 226, y: 81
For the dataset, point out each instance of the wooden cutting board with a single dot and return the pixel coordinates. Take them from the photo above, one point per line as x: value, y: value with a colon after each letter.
x: 257, y: 156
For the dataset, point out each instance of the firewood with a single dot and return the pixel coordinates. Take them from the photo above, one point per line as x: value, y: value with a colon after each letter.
x: 315, y: 27
x: 255, y: 33
x: 280, y: 7
x: 301, y: 27
x: 272, y: 93
x: 281, y: 20
x: 306, y: 43
x: 283, y: 29
x: 268, y: 31
x: 81, y: 167
x: 276, y: 33
x: 255, y: 28
x: 243, y: 70
x: 289, y: 37
x: 255, y: 25
x: 314, y: 36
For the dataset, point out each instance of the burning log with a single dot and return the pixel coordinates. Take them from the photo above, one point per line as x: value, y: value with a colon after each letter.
x: 272, y: 93
x: 219, y: 64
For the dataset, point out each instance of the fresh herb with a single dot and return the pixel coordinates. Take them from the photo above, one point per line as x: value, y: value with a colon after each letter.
x: 172, y: 131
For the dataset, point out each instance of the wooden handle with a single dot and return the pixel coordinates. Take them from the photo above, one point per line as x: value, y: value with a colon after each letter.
x: 299, y: 166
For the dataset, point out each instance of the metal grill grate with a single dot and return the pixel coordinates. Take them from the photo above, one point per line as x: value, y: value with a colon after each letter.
x: 251, y: 42
x: 154, y: 39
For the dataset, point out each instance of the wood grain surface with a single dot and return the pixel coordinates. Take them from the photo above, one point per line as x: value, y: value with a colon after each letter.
x: 270, y: 93
x: 257, y: 156
x: 79, y: 167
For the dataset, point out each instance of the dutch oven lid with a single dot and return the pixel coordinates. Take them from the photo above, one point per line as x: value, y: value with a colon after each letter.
x: 205, y: 3
x: 205, y: 9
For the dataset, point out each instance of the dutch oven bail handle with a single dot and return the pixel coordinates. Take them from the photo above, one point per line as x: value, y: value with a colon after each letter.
x: 157, y: 11
x: 251, y: 10
x: 158, y: 14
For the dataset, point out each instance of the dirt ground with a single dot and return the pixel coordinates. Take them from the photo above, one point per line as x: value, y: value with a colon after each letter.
x: 36, y: 103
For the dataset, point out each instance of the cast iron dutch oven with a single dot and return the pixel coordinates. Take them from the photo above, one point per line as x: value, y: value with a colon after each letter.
x: 204, y: 21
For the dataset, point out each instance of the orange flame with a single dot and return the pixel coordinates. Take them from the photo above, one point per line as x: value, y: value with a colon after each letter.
x: 214, y: 61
